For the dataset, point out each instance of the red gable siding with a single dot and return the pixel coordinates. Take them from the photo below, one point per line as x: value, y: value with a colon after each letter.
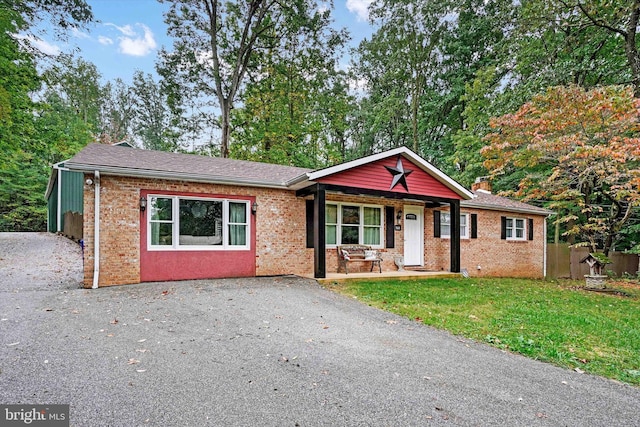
x: 375, y: 176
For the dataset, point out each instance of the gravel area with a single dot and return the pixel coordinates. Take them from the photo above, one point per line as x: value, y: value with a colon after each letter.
x: 277, y: 351
x: 39, y: 261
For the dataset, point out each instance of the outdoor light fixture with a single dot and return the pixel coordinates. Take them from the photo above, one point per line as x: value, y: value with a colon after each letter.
x: 143, y: 203
x: 398, y: 227
x: 254, y: 208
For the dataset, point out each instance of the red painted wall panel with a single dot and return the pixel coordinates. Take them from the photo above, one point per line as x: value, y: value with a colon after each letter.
x: 187, y: 264
x: 375, y: 176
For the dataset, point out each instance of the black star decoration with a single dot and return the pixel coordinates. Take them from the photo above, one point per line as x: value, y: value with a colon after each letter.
x: 399, y: 175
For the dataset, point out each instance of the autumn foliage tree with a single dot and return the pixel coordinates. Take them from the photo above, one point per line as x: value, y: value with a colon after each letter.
x: 579, y: 150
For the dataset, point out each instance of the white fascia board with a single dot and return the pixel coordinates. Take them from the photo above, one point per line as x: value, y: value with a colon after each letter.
x: 407, y: 153
x: 53, y: 177
x: 174, y: 176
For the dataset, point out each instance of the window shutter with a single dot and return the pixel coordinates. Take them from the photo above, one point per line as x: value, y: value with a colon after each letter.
x: 530, y: 229
x: 309, y: 212
x: 436, y: 223
x: 390, y: 227
x: 474, y: 226
x: 503, y: 227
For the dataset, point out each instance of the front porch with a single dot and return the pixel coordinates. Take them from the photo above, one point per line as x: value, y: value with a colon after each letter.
x: 385, y: 275
x: 403, y: 194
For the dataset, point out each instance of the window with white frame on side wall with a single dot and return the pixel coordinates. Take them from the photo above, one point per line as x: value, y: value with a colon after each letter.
x: 442, y: 225
x: 197, y: 223
x: 516, y: 228
x: 347, y: 223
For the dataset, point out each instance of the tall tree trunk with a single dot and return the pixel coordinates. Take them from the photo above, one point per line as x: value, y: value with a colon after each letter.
x: 629, y: 34
x: 631, y: 49
x: 225, y: 107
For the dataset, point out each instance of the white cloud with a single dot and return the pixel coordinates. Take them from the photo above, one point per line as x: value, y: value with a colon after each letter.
x: 139, y: 46
x: 360, y: 8
x: 42, y: 45
x: 132, y: 41
x: 127, y: 30
x: 105, y: 40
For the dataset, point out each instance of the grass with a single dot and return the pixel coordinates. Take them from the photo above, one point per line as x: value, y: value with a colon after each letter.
x: 552, y: 321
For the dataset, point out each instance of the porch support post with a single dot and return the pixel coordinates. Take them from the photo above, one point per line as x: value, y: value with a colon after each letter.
x: 454, y: 240
x: 319, y: 236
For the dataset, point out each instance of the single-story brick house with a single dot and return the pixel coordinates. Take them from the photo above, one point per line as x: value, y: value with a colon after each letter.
x: 151, y: 216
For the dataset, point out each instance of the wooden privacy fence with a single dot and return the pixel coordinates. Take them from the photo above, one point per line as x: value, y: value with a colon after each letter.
x: 564, y: 262
x: 72, y: 227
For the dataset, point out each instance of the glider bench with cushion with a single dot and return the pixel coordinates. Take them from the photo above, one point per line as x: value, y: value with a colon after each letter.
x: 358, y: 253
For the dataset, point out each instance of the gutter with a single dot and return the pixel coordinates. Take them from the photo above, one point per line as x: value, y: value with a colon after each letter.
x: 96, y: 230
x: 59, y: 203
x: 470, y: 204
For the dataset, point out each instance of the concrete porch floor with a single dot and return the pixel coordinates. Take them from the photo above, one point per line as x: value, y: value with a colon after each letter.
x: 385, y: 275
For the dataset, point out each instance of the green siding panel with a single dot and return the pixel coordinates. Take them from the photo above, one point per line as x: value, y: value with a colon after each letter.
x: 72, y: 187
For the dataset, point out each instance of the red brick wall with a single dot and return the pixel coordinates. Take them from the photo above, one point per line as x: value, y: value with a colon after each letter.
x: 281, y: 234
x: 280, y: 227
x: 494, y: 256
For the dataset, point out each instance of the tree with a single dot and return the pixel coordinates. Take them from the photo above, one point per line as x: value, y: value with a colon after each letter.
x: 397, y: 66
x: 153, y: 122
x: 18, y: 178
x: 62, y: 130
x: 62, y: 14
x: 77, y: 82
x: 579, y: 150
x: 26, y: 130
x: 416, y: 67
x: 116, y: 112
x: 215, y: 46
x: 585, y: 42
x: 295, y: 105
x: 479, y: 101
x: 618, y: 18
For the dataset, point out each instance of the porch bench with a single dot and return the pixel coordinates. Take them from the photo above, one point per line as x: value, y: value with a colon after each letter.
x: 358, y: 253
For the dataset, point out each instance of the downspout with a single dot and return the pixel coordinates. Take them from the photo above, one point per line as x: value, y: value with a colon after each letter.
x: 96, y: 230
x: 59, y: 203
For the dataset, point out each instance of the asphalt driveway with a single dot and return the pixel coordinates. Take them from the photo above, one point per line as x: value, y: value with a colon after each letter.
x: 267, y: 351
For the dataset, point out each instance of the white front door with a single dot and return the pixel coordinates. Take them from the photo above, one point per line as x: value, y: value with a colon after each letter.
x: 413, y: 221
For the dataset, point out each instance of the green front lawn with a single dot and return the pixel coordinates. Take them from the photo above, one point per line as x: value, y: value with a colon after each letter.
x: 552, y: 321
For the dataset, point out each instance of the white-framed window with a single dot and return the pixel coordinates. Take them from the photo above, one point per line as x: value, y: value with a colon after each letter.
x: 445, y: 225
x: 516, y: 229
x: 197, y: 223
x: 353, y: 224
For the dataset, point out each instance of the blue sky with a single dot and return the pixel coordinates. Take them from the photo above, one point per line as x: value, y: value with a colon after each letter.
x: 130, y: 33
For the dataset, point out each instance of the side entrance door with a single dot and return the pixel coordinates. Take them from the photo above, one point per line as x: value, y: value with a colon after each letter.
x: 413, y: 235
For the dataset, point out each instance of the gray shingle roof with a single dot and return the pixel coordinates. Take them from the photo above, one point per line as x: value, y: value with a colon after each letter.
x: 160, y: 164
x: 484, y: 200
